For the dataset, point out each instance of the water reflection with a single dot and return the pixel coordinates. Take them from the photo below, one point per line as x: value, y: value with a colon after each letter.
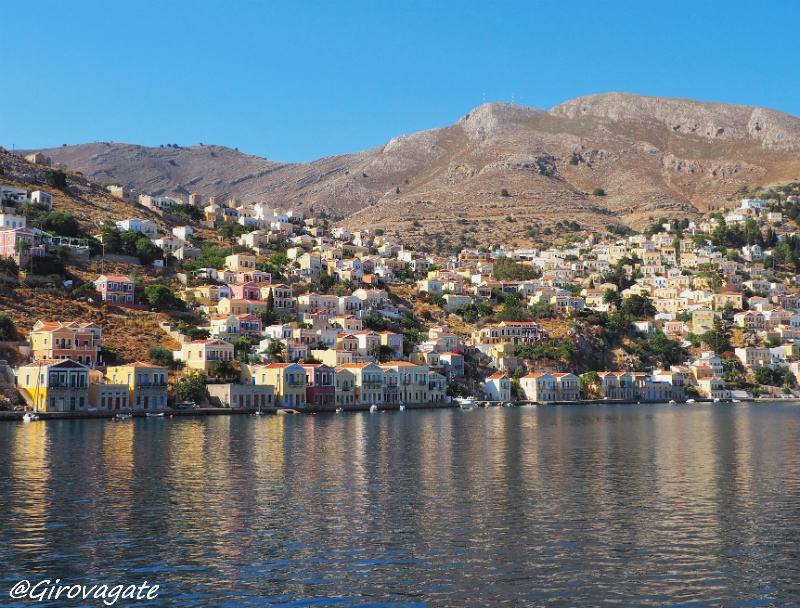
x: 578, y: 506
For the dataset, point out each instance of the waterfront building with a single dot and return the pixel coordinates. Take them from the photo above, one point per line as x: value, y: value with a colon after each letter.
x: 320, y: 384
x: 541, y: 388
x: 289, y: 380
x: 345, y: 381
x: 147, y: 384
x: 55, y: 385
x: 498, y: 387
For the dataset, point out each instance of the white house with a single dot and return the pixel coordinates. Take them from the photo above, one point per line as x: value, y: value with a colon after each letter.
x: 183, y: 232
x: 498, y: 387
x: 144, y: 226
x: 42, y: 198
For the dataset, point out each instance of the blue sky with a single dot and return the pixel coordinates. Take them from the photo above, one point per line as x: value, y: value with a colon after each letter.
x: 295, y: 81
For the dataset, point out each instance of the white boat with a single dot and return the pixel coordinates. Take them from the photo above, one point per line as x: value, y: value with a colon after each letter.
x: 735, y: 400
x: 672, y: 401
x: 339, y: 410
x: 373, y: 408
x: 466, y: 403
x: 154, y: 414
x: 691, y: 401
x: 29, y: 417
x: 716, y: 399
x: 402, y: 406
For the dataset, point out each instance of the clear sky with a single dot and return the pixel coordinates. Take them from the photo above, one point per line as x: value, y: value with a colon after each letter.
x: 294, y: 81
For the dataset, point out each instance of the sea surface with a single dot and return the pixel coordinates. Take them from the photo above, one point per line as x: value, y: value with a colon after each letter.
x: 613, y: 505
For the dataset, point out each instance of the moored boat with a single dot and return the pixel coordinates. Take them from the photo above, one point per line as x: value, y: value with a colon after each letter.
x: 466, y: 403
x: 29, y: 417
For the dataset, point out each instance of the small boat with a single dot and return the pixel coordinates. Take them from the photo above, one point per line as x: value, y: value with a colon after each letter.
x: 154, y: 414
x: 287, y: 411
x: 466, y: 403
x: 339, y: 410
x: 672, y: 401
x: 29, y: 417
x: 373, y: 408
x: 259, y: 413
x: 736, y: 400
x: 402, y: 407
x: 691, y: 401
x: 716, y: 399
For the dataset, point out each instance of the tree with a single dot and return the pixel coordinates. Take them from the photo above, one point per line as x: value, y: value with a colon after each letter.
x: 147, y: 251
x: 223, y: 368
x: 383, y: 353
x: 197, y: 333
x: 191, y: 387
x: 718, y: 337
x: 504, y: 193
x: 8, y: 331
x: 277, y: 349
x: 542, y: 310
x: 598, y: 192
x: 590, y: 384
x: 668, y: 352
x: 508, y: 269
x: 160, y: 297
x: 638, y: 306
x: 611, y: 296
x: 160, y: 356
x: 55, y: 178
x: 63, y: 223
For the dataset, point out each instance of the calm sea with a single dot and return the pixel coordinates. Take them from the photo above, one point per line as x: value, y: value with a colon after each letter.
x: 623, y: 505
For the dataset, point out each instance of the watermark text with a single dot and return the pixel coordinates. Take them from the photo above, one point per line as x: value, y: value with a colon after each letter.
x: 47, y: 589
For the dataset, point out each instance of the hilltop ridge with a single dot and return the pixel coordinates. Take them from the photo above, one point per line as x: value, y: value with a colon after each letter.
x: 651, y: 156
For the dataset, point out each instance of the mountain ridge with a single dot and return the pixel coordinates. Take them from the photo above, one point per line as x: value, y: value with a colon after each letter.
x: 652, y: 156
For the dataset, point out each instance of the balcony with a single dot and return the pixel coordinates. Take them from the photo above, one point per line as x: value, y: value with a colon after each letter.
x: 371, y: 385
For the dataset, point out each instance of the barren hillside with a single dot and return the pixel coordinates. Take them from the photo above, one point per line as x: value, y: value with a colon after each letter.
x: 653, y: 157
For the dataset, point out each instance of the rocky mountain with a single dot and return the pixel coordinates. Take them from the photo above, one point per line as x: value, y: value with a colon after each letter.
x: 653, y: 157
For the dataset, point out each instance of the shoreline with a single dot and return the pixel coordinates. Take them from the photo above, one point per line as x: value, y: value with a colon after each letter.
x: 218, y: 411
x: 249, y: 411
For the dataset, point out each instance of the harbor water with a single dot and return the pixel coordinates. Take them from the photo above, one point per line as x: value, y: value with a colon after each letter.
x: 611, y: 505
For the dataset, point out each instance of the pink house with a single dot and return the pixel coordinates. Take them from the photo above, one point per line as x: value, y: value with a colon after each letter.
x: 249, y: 324
x: 9, y: 240
x: 245, y: 291
x: 115, y: 288
x: 320, y: 384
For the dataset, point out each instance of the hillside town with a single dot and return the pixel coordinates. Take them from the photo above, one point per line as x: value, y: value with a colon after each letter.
x: 274, y: 308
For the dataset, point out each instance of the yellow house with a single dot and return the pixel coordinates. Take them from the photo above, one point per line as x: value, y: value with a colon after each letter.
x: 203, y: 354
x: 289, y: 380
x: 240, y: 262
x: 235, y: 306
x: 369, y: 382
x: 333, y: 357
x: 52, y: 340
x: 147, y: 384
x: 345, y: 387
x: 55, y: 385
x: 724, y: 297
